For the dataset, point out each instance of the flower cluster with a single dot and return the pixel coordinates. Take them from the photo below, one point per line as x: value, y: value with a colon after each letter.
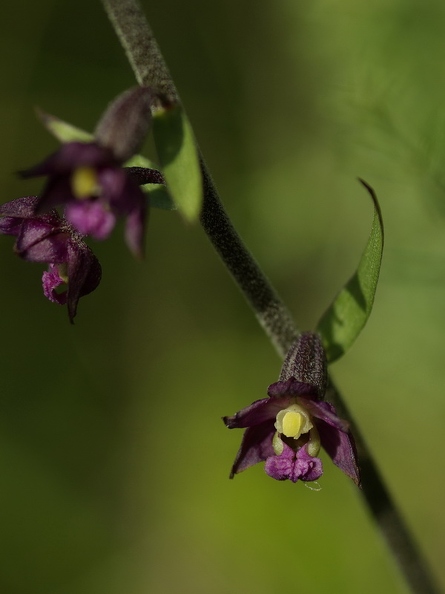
x: 89, y: 181
x: 287, y: 429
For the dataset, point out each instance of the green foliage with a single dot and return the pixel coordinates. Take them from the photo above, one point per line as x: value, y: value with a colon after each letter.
x: 179, y: 160
x: 347, y: 315
x: 62, y: 130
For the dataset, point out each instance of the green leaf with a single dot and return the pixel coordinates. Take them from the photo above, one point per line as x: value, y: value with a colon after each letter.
x: 178, y: 157
x: 159, y: 197
x: 350, y: 310
x: 62, y: 130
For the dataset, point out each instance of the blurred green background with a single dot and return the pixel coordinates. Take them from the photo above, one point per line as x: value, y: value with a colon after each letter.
x: 113, y: 459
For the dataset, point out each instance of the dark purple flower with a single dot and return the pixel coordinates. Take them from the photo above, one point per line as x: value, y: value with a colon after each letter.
x: 89, y: 180
x: 50, y: 239
x: 287, y: 429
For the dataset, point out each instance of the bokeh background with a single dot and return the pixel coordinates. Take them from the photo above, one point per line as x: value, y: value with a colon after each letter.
x: 113, y: 459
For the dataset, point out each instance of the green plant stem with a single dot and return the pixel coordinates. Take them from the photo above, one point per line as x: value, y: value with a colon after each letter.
x: 150, y: 69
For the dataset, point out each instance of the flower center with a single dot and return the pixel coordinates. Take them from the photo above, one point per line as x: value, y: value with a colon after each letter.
x: 84, y: 182
x: 293, y: 421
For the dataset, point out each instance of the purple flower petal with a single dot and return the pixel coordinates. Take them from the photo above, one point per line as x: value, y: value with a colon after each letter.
x: 90, y: 218
x: 256, y: 446
x: 262, y: 410
x: 69, y: 157
x: 135, y: 231
x: 340, y: 447
x: 20, y: 207
x: 38, y: 241
x: 57, y: 191
x: 10, y: 225
x: 84, y: 274
x: 326, y: 412
x: 121, y: 191
x: 112, y: 181
x: 294, y: 465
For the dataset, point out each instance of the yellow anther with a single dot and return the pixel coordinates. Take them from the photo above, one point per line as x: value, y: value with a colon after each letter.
x: 313, y: 445
x: 293, y: 421
x: 292, y: 424
x: 84, y: 182
x: 277, y: 444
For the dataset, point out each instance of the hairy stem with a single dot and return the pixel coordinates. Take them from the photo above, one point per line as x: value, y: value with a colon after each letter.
x: 150, y: 69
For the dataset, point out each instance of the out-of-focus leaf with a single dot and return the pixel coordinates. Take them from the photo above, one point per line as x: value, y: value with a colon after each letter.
x: 62, y: 130
x: 159, y: 197
x: 178, y: 157
x: 345, y: 318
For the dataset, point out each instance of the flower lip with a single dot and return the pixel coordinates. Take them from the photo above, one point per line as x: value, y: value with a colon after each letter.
x: 293, y: 465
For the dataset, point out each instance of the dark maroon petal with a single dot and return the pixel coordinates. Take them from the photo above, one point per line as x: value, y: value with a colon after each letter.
x: 294, y: 466
x: 340, y: 446
x: 262, y: 410
x: 20, y: 207
x: 90, y: 217
x: 135, y: 231
x: 113, y: 184
x: 292, y: 387
x: 120, y: 191
x: 306, y: 362
x: 57, y: 191
x: 40, y: 242
x: 69, y: 157
x: 125, y: 123
x: 10, y: 225
x: 84, y: 274
x: 144, y: 175
x: 324, y: 411
x: 256, y: 446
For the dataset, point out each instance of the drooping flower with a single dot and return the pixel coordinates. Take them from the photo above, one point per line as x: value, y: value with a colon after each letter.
x: 88, y: 179
x: 287, y: 429
x: 50, y: 239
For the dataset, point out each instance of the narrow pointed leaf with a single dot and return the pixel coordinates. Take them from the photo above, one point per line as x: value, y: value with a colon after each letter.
x: 178, y: 157
x: 63, y: 131
x: 350, y: 310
